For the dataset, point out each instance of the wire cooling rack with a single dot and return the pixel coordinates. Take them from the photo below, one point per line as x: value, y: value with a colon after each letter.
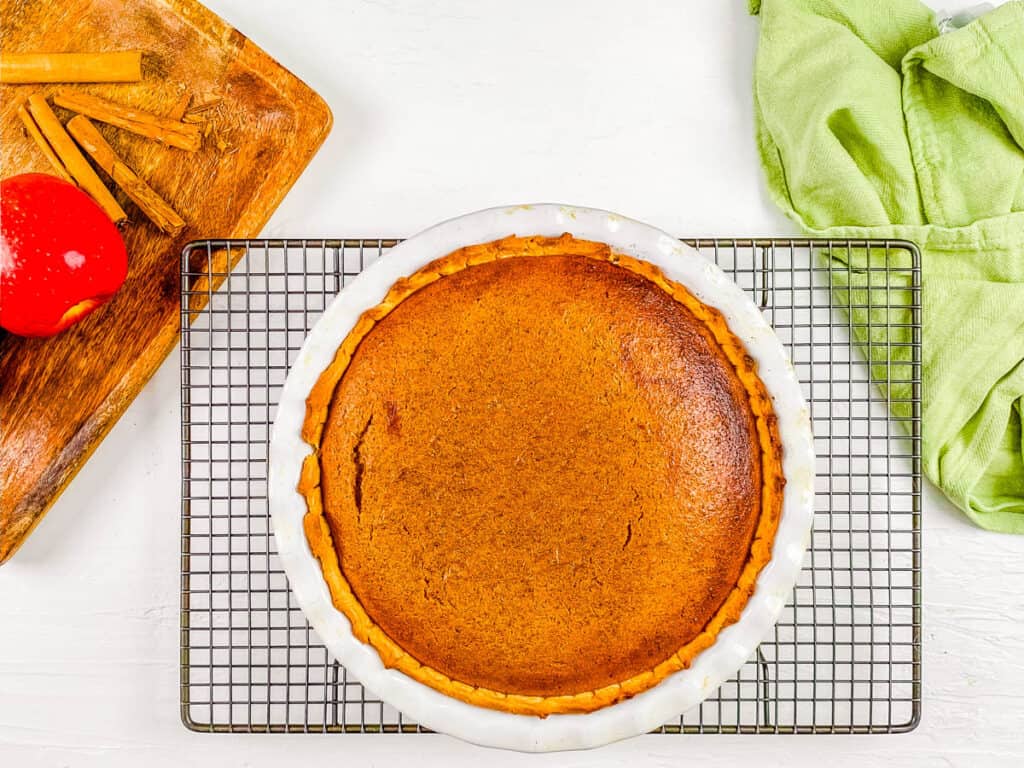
x: 844, y: 658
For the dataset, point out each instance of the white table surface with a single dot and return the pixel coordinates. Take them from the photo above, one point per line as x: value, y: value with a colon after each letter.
x: 442, y: 108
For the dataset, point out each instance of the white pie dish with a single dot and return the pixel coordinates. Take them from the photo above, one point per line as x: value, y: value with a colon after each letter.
x: 678, y: 692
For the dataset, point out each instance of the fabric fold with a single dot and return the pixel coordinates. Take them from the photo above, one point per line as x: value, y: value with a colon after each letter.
x: 872, y: 124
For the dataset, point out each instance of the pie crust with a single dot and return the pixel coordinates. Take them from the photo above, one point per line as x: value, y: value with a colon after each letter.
x: 563, y: 252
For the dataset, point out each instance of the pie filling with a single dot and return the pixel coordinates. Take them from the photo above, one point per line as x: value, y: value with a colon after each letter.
x: 544, y: 477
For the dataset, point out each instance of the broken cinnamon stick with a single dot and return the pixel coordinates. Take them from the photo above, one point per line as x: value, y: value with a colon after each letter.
x: 171, y: 132
x: 205, y: 106
x: 33, y: 131
x: 72, y: 159
x: 151, y: 204
x: 114, y: 67
x: 181, y: 107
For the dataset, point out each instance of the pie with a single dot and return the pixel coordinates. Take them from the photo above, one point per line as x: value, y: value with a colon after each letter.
x: 544, y: 477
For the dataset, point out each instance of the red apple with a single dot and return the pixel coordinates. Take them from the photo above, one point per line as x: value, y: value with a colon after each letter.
x: 60, y: 255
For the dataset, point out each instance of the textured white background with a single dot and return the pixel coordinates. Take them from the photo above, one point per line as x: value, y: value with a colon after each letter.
x: 442, y: 108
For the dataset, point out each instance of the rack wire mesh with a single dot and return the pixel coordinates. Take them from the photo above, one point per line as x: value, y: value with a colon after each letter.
x: 844, y: 658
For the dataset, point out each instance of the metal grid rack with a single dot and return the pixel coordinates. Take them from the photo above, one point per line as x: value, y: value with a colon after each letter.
x: 845, y: 656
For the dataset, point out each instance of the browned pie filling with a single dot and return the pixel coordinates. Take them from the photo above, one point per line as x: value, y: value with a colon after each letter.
x: 544, y: 478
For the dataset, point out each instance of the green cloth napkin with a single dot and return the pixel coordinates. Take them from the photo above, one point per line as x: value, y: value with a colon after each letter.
x: 872, y: 124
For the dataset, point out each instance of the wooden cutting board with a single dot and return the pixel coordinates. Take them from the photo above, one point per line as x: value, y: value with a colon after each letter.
x: 60, y: 396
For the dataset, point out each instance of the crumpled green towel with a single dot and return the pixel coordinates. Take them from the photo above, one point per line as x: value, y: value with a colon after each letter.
x: 872, y: 124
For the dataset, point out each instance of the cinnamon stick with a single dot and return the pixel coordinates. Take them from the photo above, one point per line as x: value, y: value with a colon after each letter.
x: 171, y: 132
x: 113, y: 67
x: 33, y: 131
x: 72, y: 159
x: 181, y: 107
x: 151, y: 204
x: 206, y: 106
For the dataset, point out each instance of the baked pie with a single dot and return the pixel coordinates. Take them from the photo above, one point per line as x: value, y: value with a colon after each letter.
x: 544, y: 476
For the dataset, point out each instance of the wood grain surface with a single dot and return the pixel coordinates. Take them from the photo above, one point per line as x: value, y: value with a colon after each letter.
x: 60, y: 396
